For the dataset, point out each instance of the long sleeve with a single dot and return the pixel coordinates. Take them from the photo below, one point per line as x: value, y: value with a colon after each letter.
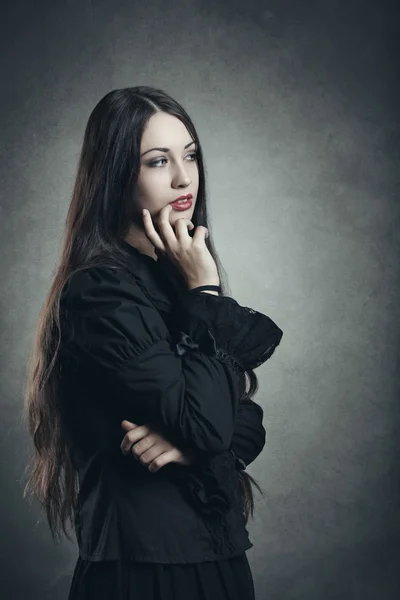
x: 110, y: 325
x: 249, y: 434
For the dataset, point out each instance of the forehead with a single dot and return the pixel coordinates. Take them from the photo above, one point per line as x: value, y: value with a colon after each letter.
x: 163, y: 129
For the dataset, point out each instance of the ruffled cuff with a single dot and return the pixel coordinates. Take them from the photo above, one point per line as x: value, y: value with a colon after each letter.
x: 211, y: 487
x: 208, y: 484
x: 219, y: 326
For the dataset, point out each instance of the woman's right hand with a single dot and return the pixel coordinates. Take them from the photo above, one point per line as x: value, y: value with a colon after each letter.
x: 189, y: 254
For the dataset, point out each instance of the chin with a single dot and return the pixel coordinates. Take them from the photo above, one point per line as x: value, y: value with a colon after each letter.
x: 183, y: 214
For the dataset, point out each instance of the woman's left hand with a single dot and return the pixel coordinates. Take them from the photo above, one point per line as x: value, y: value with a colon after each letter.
x: 151, y: 447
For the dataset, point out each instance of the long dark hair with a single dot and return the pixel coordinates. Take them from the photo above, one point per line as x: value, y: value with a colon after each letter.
x: 100, y: 213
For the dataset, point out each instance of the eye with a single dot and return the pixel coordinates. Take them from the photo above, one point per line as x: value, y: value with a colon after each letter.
x: 156, y: 162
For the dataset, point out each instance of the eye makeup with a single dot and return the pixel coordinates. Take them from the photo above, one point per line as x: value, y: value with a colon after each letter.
x: 154, y: 163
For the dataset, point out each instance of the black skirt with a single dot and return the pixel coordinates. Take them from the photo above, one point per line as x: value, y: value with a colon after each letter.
x: 229, y: 579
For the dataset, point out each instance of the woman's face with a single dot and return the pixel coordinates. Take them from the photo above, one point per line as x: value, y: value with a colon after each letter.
x: 166, y: 175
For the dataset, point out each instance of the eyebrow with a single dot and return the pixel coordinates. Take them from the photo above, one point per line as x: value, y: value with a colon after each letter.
x: 168, y: 149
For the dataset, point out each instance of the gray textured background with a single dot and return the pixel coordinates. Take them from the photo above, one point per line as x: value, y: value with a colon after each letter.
x: 296, y: 106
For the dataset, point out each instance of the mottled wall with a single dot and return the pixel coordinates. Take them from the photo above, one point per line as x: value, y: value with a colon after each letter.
x: 296, y: 106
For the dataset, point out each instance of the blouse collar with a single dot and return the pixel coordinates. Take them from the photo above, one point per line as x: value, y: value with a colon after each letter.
x: 153, y: 278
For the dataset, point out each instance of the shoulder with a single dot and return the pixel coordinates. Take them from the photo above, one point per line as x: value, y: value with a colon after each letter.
x: 96, y: 283
x: 106, y: 318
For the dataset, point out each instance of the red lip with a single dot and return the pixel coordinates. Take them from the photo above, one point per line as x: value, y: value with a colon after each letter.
x: 188, y: 197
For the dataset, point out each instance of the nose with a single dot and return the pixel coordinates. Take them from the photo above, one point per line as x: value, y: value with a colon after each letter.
x: 181, y: 177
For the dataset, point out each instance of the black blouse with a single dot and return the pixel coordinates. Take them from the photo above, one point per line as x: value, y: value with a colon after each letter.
x: 135, y: 347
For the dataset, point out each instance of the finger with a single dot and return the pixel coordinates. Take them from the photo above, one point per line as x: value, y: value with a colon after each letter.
x: 200, y: 234
x: 151, y: 233
x: 162, y: 460
x: 182, y: 228
x: 128, y: 425
x: 145, y: 450
x: 148, y: 450
x: 166, y: 231
x: 134, y: 435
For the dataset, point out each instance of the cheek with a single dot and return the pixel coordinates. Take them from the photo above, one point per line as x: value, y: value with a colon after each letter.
x: 150, y: 188
x: 145, y: 182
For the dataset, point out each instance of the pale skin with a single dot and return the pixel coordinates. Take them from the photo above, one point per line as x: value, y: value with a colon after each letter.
x: 152, y: 448
x: 163, y: 177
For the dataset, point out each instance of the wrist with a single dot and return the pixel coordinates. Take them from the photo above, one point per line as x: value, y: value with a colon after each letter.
x: 207, y: 288
x: 215, y: 293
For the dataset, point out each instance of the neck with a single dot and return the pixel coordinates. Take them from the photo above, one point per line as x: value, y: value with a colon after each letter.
x: 138, y: 239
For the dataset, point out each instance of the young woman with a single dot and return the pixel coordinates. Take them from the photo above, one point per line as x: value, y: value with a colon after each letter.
x: 136, y: 397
